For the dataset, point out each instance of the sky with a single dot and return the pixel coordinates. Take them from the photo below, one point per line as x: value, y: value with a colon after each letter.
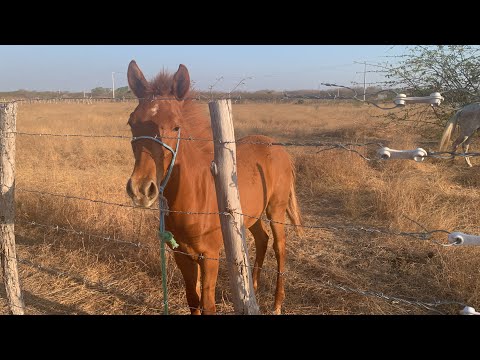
x: 273, y: 67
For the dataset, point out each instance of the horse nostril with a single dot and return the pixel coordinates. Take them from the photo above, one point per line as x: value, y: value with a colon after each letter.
x: 152, y: 190
x: 147, y: 189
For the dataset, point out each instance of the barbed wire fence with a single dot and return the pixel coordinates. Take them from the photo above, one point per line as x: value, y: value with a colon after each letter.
x: 325, y: 146
x: 235, y: 95
x: 428, y: 304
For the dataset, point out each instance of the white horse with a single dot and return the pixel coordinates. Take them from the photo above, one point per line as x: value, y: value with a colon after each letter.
x: 468, y: 121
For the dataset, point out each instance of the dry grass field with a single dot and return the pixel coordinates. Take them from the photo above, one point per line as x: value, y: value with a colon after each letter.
x: 66, y: 273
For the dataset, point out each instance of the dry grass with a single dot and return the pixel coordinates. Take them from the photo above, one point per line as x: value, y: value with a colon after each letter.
x: 73, y: 274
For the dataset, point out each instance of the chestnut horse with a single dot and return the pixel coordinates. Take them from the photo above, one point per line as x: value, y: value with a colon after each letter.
x: 266, y: 181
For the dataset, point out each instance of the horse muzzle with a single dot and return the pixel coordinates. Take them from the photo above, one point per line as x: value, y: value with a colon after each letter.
x: 143, y: 193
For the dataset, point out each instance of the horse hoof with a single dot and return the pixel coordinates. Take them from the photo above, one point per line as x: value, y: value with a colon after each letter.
x: 277, y: 312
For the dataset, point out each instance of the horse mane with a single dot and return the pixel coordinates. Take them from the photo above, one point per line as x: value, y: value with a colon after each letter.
x: 195, y: 123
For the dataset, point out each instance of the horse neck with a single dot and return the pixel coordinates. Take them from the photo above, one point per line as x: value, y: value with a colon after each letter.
x: 192, y: 169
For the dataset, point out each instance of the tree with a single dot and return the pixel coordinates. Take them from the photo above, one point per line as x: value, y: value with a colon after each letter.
x: 123, y: 92
x: 101, y: 92
x: 452, y: 70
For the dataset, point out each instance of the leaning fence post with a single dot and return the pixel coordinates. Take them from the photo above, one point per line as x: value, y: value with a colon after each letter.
x: 224, y: 170
x: 8, y: 255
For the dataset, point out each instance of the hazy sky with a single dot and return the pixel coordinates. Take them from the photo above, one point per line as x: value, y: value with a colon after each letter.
x: 275, y: 67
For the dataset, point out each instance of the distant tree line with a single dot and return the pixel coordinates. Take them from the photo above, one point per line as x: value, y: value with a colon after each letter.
x: 98, y: 92
x: 107, y: 92
x: 269, y: 95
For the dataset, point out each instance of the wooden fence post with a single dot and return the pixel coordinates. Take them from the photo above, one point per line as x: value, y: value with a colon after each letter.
x: 8, y: 255
x: 224, y: 170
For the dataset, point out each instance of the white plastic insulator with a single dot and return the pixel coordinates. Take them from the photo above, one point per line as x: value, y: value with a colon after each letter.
x: 433, y: 99
x: 436, y: 98
x: 468, y: 310
x: 459, y: 238
x: 400, y: 99
x: 386, y: 153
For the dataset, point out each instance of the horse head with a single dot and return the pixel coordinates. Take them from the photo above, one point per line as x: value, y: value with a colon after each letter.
x: 155, y: 124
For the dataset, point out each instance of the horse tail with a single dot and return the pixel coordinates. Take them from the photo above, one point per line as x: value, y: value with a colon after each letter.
x: 447, y: 133
x: 293, y: 210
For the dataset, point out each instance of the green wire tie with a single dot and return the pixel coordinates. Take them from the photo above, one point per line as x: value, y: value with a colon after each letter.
x: 167, y: 236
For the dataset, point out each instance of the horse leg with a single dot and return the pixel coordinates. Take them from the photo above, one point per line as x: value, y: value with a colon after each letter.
x: 191, y: 277
x: 276, y: 212
x: 465, y: 146
x: 458, y: 141
x: 261, y: 243
x: 209, y: 269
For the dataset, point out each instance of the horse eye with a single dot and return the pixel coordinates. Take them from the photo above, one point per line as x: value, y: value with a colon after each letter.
x: 176, y: 128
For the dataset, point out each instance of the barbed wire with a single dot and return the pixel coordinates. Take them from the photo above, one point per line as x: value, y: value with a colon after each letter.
x: 102, y: 286
x: 106, y: 287
x: 98, y: 284
x: 67, y: 135
x: 425, y: 235
x: 86, y: 234
x: 191, y: 138
x: 444, y: 155
x: 342, y: 287
x: 422, y: 235
x: 239, y: 96
x: 242, y: 96
x: 354, y: 97
x: 327, y: 145
x: 429, y: 305
x: 71, y: 197
x: 137, y: 244
x: 87, y: 99
x: 451, y: 154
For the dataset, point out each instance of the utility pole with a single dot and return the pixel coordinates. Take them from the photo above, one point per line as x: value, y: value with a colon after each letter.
x: 113, y: 85
x: 364, y: 80
x: 113, y: 82
x: 365, y: 64
x: 364, y: 77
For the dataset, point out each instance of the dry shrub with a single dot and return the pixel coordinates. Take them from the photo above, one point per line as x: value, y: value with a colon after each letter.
x: 338, y: 179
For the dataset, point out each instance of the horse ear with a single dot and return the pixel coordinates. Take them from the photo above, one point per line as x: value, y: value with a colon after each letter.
x: 137, y: 82
x: 181, y: 82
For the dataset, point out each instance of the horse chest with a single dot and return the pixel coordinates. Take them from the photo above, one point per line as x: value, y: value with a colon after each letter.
x: 194, y: 229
